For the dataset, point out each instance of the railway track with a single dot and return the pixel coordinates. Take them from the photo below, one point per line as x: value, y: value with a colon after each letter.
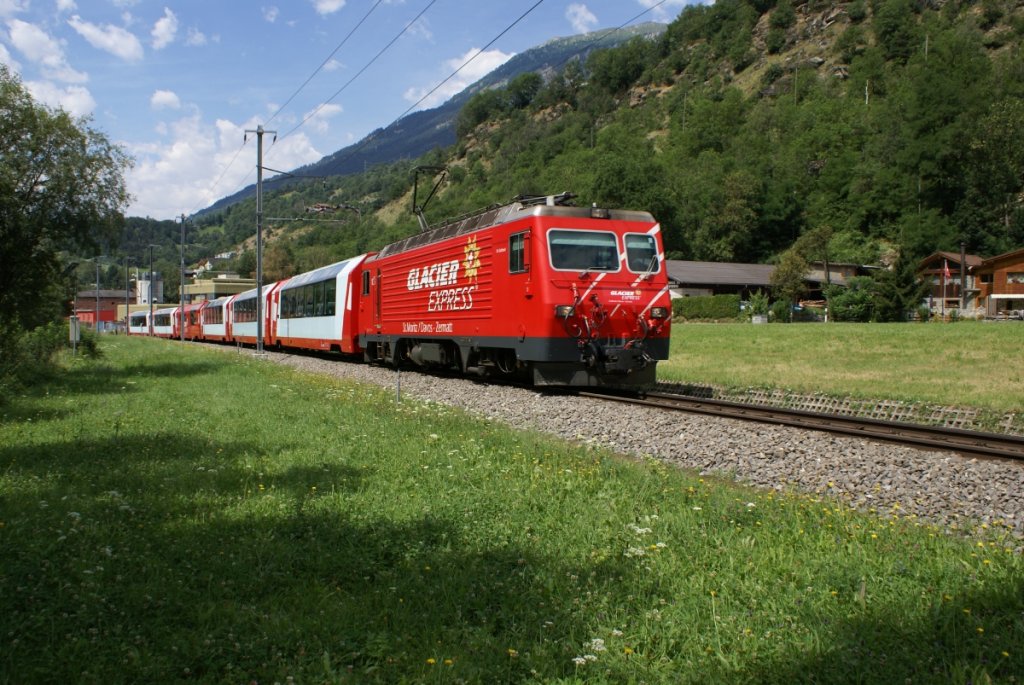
x: 967, y: 443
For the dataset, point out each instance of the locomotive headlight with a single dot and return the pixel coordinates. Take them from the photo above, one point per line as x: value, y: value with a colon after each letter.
x: 659, y: 312
x: 563, y: 311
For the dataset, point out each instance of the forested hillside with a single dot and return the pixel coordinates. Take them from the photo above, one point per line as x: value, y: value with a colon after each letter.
x: 887, y: 127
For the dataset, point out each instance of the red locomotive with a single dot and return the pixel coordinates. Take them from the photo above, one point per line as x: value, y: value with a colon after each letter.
x: 534, y: 290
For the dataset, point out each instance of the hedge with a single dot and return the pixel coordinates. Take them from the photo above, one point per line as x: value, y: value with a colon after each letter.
x: 706, y: 307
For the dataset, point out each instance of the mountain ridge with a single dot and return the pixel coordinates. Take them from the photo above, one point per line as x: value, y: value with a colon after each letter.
x: 421, y: 131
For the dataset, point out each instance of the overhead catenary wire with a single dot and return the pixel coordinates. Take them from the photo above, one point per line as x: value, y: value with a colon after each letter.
x: 433, y: 90
x: 359, y: 73
x: 586, y: 46
x: 298, y: 90
x: 326, y: 61
x: 366, y: 140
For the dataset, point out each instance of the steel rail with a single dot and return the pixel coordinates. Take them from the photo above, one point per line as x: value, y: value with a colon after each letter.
x: 965, y: 442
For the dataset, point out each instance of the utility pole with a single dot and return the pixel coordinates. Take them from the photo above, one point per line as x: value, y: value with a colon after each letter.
x: 150, y: 326
x: 96, y: 294
x: 963, y: 277
x: 127, y: 307
x: 181, y: 284
x: 96, y: 321
x: 259, y: 231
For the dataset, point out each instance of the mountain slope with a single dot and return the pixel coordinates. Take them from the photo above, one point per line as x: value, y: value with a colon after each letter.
x: 422, y: 131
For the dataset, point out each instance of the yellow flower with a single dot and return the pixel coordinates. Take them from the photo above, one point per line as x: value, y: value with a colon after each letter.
x: 512, y: 653
x: 431, y: 661
x: 980, y: 630
x: 629, y: 650
x: 1006, y: 653
x: 448, y: 662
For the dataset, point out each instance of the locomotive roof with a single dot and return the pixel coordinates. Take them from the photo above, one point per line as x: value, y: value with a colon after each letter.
x: 495, y: 216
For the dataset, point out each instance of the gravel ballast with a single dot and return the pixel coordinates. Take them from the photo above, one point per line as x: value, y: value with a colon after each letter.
x: 941, y: 488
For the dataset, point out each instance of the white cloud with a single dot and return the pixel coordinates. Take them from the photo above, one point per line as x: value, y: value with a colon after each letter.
x: 421, y: 28
x: 179, y: 175
x: 66, y: 6
x: 320, y: 118
x: 164, y: 30
x: 113, y: 39
x: 195, y: 38
x: 325, y: 7
x: 581, y: 18
x: 333, y: 65
x: 164, y: 99
x: 270, y: 14
x: 75, y: 100
x: 484, y: 64
x: 8, y: 8
x: 41, y: 48
x: 7, y: 60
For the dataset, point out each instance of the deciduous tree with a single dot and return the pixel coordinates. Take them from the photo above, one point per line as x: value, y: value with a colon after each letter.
x: 61, y: 188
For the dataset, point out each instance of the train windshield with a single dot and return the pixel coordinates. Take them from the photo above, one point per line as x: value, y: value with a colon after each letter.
x: 583, y: 250
x: 641, y: 253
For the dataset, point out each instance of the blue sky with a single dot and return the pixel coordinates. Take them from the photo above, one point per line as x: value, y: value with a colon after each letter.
x: 176, y: 83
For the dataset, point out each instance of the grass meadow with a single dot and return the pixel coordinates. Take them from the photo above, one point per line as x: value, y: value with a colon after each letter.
x: 969, y: 363
x: 172, y: 514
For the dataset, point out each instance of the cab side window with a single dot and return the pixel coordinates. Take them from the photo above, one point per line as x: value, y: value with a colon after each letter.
x: 518, y: 261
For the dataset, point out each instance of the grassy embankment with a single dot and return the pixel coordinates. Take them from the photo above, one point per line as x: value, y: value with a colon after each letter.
x: 972, y: 364
x: 171, y: 514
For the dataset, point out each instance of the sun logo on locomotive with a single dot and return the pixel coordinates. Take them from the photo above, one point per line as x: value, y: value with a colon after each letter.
x: 471, y: 265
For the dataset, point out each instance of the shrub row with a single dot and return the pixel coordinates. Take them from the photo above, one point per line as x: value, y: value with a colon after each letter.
x: 706, y: 307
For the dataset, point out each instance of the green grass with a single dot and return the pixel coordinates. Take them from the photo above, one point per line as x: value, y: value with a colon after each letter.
x: 972, y: 364
x: 170, y: 514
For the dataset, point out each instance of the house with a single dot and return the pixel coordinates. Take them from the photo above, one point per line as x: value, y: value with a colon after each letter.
x: 1000, y: 285
x: 211, y: 288
x: 92, y: 306
x: 690, y: 279
x: 942, y: 272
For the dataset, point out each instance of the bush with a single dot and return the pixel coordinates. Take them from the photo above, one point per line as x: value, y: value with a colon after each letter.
x: 853, y: 303
x: 759, y: 303
x: 28, y: 356
x: 776, y: 40
x: 714, y: 307
x: 781, y: 312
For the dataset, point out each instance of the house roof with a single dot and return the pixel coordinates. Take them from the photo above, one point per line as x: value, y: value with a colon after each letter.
x: 728, y: 273
x: 972, y: 260
x: 1006, y: 256
x: 718, y: 273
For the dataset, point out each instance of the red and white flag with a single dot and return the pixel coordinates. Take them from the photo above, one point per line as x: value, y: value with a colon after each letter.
x: 945, y: 268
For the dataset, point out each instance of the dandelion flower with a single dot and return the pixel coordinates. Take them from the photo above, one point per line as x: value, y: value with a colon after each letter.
x: 431, y: 661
